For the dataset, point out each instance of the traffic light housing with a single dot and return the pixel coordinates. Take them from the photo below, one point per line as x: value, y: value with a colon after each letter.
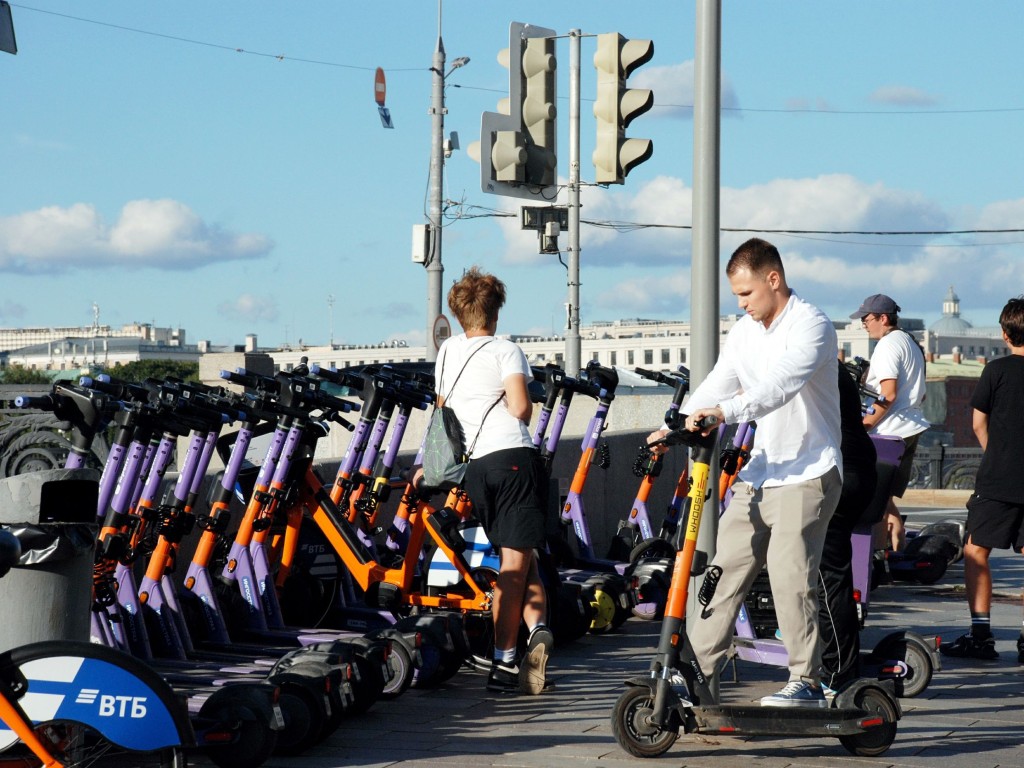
x: 518, y: 154
x: 616, y: 106
x: 539, y: 109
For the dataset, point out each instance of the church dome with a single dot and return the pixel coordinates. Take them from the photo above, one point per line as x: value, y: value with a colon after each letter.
x: 950, y: 324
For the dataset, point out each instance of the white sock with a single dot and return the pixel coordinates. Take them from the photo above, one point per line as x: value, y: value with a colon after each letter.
x: 505, y: 656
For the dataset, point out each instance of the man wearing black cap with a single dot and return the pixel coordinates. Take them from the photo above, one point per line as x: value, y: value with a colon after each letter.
x: 897, y: 373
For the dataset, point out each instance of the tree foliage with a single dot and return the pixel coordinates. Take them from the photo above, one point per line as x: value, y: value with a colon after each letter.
x: 18, y: 374
x: 140, y: 370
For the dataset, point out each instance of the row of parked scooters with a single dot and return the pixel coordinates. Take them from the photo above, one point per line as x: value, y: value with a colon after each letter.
x: 261, y: 608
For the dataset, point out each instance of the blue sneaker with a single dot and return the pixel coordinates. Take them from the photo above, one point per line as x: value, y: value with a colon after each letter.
x: 797, y: 693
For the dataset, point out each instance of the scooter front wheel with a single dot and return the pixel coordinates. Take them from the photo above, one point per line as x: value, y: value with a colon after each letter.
x: 633, y: 727
x: 877, y: 740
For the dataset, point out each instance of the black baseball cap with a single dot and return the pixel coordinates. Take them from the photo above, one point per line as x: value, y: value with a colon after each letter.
x: 876, y: 304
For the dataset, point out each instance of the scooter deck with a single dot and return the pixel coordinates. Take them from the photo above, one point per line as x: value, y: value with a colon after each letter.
x: 754, y: 719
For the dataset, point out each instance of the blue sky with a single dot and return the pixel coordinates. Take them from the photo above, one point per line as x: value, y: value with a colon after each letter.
x: 221, y: 166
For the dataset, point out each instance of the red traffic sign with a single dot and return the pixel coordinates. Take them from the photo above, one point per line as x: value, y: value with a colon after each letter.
x: 379, y: 87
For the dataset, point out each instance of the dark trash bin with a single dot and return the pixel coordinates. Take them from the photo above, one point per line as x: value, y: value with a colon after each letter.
x: 47, y: 595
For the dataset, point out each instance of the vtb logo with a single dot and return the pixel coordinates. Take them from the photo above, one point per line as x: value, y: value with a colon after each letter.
x: 113, y: 706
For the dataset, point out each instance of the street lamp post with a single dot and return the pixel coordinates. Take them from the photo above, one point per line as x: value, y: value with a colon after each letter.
x: 434, y: 265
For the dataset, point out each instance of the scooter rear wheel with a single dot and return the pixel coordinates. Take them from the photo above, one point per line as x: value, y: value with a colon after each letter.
x: 917, y: 660
x: 400, y: 670
x: 877, y: 740
x: 653, y: 547
x: 304, y: 719
x: 652, y: 591
x: 254, y: 739
x: 632, y: 726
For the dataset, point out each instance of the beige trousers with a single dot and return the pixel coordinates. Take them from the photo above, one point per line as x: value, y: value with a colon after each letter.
x: 784, y: 527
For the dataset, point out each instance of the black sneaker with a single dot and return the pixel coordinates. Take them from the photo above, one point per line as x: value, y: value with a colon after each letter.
x: 504, y: 677
x: 970, y: 647
x: 532, y: 669
x: 1020, y: 649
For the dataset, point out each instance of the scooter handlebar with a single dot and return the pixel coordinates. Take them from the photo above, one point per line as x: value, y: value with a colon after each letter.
x: 684, y: 436
x: 40, y: 403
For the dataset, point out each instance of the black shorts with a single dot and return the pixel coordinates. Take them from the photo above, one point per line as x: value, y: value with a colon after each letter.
x: 995, y: 524
x: 508, y: 491
x: 901, y: 479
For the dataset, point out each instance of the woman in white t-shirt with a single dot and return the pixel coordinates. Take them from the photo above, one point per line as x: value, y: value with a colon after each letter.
x: 484, y: 380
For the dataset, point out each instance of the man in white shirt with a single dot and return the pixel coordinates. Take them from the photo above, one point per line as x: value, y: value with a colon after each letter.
x: 897, y: 373
x: 779, y: 367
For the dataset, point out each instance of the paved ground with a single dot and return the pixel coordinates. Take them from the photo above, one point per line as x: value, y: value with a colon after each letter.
x: 970, y: 715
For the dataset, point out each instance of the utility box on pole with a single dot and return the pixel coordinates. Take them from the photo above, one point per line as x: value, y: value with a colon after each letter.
x: 420, y: 243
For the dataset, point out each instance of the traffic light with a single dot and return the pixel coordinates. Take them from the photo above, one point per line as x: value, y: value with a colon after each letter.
x: 517, y: 143
x: 616, y: 106
x: 508, y: 156
x: 538, y: 109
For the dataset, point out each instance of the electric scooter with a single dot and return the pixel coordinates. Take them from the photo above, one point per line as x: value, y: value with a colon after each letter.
x: 652, y: 711
x: 906, y: 657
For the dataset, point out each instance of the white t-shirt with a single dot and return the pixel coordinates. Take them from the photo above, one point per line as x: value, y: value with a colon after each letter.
x: 897, y: 356
x: 479, y: 386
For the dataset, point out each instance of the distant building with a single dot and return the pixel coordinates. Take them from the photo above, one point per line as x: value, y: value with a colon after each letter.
x: 16, y: 338
x: 626, y: 344
x: 83, y: 347
x: 78, y: 352
x: 953, y: 335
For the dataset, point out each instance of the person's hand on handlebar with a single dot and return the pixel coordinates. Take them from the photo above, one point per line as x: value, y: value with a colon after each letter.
x: 658, y: 434
x: 693, y: 420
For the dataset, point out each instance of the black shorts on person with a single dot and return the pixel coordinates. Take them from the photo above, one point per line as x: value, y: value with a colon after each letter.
x: 995, y: 524
x: 508, y: 491
x: 901, y: 479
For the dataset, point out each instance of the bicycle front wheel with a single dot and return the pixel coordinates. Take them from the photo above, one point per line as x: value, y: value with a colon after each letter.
x: 79, y: 746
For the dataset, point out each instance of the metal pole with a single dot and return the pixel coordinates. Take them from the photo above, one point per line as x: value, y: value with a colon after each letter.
x: 704, y: 312
x: 435, y: 270
x: 572, y: 336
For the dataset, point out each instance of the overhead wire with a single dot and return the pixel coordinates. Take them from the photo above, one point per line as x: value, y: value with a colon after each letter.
x: 807, y: 234
x: 619, y: 226
x: 342, y: 65
x: 220, y: 46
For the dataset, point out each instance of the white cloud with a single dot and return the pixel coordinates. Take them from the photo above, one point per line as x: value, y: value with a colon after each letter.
x: 164, y: 234
x: 666, y: 296
x: 250, y: 307
x: 673, y: 90
x: 831, y: 268
x: 31, y: 142
x: 412, y: 337
x: 903, y: 96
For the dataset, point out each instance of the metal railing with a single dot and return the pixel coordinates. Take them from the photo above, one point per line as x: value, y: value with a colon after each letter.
x: 939, y: 466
